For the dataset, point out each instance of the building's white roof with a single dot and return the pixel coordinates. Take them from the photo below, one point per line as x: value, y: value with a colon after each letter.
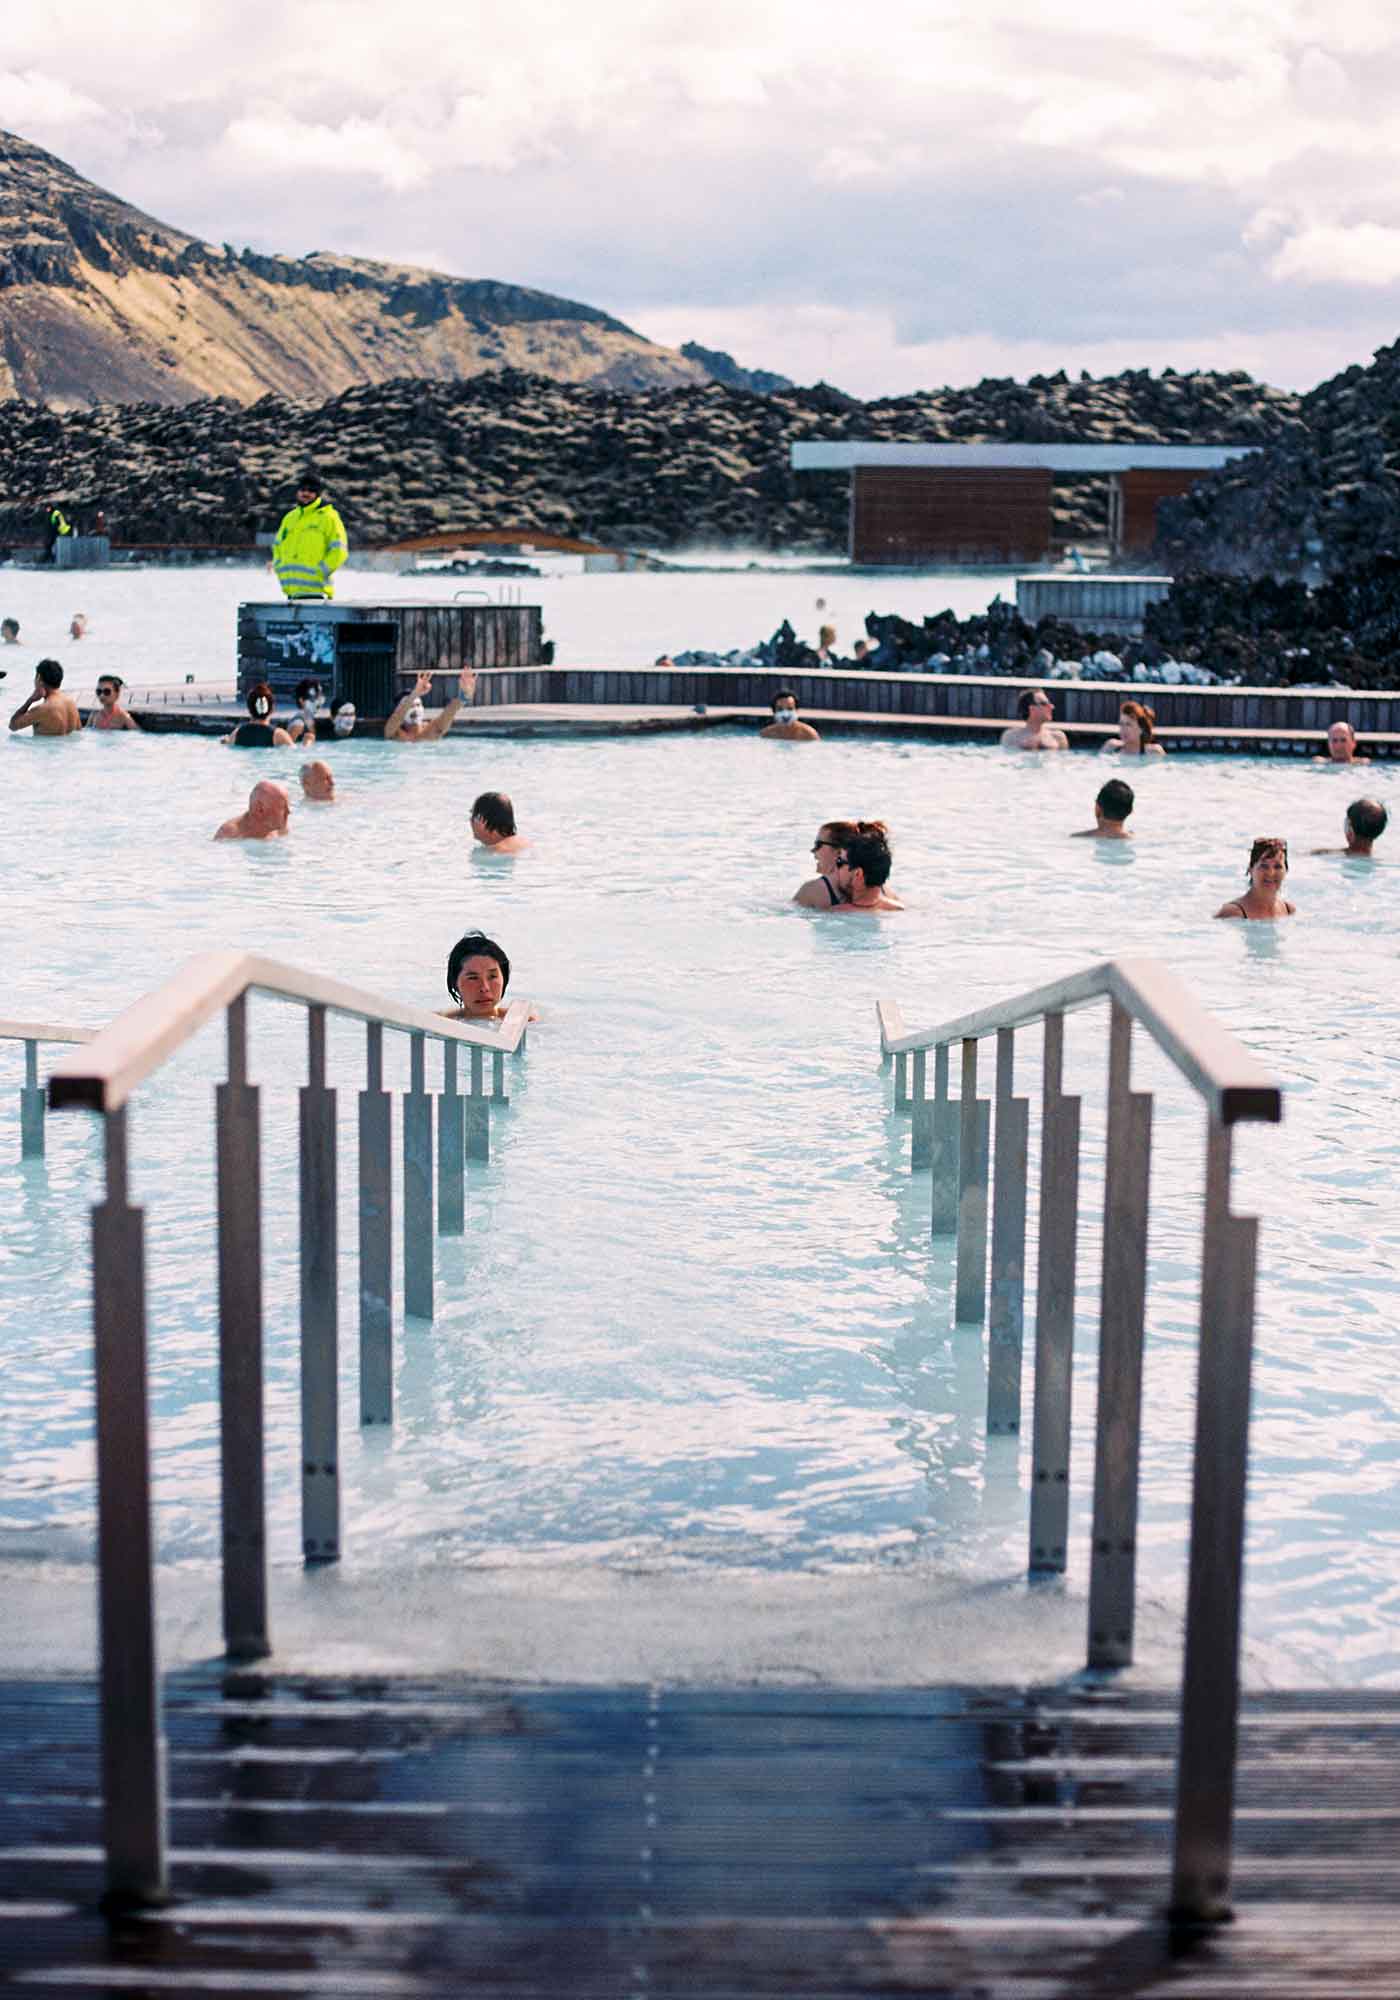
x: 819, y: 456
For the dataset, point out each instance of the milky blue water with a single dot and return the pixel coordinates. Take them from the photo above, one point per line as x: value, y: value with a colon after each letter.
x: 697, y: 1320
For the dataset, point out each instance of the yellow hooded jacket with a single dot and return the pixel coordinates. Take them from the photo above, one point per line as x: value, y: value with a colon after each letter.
x: 310, y: 546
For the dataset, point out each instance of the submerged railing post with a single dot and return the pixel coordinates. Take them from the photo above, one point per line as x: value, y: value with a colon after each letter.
x: 376, y: 1237
x: 945, y: 1130
x: 452, y: 1180
x: 1054, y: 1309
x: 901, y: 1082
x: 242, y: 1498
x: 133, y: 1749
x: 478, y: 1112
x: 973, y: 1174
x: 1127, y: 1172
x: 1205, y: 1789
x: 498, y: 1075
x: 320, y: 1410
x: 1006, y: 1325
x: 31, y: 1107
x: 417, y: 1188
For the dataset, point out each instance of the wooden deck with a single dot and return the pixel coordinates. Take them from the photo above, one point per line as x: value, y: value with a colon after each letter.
x: 385, y: 1837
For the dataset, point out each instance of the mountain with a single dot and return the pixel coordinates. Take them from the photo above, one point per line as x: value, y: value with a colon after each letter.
x: 100, y: 303
x: 722, y: 367
x: 671, y: 468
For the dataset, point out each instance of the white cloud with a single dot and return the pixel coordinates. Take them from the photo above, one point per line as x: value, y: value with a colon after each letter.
x: 34, y: 102
x: 1364, y: 253
x: 280, y: 145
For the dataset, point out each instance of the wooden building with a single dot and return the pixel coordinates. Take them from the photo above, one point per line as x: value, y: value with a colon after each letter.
x: 915, y: 504
x: 371, y: 653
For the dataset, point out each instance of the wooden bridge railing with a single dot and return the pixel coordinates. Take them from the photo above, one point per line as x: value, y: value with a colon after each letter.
x: 978, y: 1169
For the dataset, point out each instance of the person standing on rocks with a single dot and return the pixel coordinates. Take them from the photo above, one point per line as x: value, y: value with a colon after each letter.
x: 310, y: 544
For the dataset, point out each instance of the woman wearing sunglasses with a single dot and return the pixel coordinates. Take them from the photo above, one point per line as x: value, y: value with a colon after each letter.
x: 822, y: 891
x: 109, y: 713
x: 1263, y: 901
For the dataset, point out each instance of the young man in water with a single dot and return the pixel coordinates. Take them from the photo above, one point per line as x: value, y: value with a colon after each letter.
x: 409, y: 722
x: 269, y: 810
x: 1363, y: 826
x: 109, y: 713
x: 1111, y: 808
x: 862, y: 871
x: 9, y: 631
x: 493, y: 824
x: 785, y: 727
x: 1034, y: 732
x: 48, y: 711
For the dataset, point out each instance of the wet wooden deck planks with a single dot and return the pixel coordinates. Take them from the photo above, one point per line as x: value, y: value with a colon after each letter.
x: 380, y: 1837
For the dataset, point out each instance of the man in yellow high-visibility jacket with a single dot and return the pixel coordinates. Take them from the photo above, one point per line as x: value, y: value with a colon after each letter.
x: 310, y: 544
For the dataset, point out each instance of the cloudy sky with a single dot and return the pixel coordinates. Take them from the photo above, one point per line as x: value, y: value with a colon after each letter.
x: 892, y: 196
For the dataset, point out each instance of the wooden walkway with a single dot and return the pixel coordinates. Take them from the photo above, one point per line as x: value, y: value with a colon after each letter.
x: 390, y: 1838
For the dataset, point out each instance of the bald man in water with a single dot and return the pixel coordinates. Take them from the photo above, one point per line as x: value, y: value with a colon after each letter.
x: 318, y: 783
x: 269, y: 810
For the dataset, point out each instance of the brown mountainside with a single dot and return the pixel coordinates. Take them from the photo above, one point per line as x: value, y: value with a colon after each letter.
x: 100, y: 303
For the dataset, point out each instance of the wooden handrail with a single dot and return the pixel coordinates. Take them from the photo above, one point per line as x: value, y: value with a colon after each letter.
x: 1233, y: 1084
x: 40, y: 1031
x: 140, y: 1039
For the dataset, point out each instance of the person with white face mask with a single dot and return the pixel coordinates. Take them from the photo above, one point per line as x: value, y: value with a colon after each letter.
x: 302, y: 727
x: 410, y: 722
x: 343, y: 716
x: 785, y: 726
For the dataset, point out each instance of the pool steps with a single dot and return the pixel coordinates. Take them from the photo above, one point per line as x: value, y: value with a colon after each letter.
x: 970, y: 1177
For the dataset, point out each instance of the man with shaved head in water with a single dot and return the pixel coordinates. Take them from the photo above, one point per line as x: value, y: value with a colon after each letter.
x: 318, y: 783
x: 269, y: 810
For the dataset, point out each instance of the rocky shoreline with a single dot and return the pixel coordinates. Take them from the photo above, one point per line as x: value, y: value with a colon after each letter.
x: 670, y: 469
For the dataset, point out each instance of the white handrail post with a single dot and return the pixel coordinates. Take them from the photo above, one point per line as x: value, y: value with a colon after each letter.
x: 417, y: 1188
x: 921, y: 1111
x: 944, y: 1147
x: 242, y: 1497
x: 31, y: 1107
x: 1007, y: 1321
x: 478, y: 1112
x: 1054, y: 1309
x: 1127, y: 1173
x: 1205, y: 1787
x: 320, y: 1406
x: 974, y: 1167
x: 133, y: 1748
x: 376, y: 1237
x: 452, y: 1190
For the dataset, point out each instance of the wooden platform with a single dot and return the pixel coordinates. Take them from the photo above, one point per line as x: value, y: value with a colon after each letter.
x: 399, y: 1838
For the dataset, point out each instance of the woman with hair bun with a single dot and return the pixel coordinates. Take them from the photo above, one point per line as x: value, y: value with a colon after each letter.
x: 822, y: 890
x: 1136, y: 723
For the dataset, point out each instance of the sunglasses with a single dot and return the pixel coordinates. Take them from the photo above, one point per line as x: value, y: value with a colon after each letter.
x: 106, y: 690
x: 818, y: 845
x: 843, y: 861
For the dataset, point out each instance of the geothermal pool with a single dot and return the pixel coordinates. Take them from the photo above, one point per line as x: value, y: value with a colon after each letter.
x: 696, y: 1324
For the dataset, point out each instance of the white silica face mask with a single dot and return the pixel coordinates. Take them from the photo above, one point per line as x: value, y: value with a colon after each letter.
x: 787, y: 716
x: 414, y: 714
x: 345, y: 720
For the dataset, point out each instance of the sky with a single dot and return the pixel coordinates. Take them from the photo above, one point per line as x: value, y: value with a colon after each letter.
x: 890, y: 197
